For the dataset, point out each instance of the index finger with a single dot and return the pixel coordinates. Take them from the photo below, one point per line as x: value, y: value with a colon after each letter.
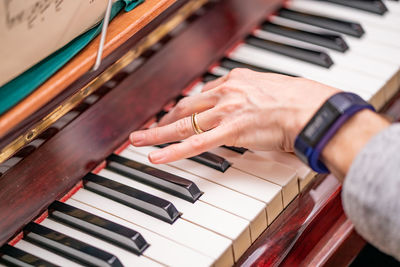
x: 190, y: 147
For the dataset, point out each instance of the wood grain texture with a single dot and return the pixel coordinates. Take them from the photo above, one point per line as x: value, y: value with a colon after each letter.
x: 87, y: 77
x: 53, y: 169
x: 124, y: 26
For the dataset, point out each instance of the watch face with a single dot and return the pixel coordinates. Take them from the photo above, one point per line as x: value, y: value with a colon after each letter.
x: 319, y: 124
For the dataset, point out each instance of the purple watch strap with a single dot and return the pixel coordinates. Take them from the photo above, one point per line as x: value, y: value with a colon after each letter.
x: 314, y: 161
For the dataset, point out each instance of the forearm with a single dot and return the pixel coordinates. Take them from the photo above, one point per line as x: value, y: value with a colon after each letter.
x: 371, y: 191
x: 342, y: 149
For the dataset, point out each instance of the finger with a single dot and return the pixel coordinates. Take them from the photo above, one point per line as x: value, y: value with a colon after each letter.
x: 176, y: 131
x: 192, y: 146
x: 189, y: 105
x: 215, y: 83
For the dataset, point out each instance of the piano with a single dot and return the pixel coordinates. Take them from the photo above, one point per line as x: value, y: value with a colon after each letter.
x: 73, y: 192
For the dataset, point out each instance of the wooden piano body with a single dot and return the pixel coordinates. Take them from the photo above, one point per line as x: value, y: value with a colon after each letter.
x: 312, y: 230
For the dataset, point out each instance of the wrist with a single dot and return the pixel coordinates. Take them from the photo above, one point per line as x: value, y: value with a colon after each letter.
x: 354, y: 134
x: 324, y: 125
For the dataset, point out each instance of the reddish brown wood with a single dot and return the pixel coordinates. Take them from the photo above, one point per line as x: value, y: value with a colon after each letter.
x: 28, y: 122
x: 338, y: 247
x: 309, y: 216
x: 53, y: 169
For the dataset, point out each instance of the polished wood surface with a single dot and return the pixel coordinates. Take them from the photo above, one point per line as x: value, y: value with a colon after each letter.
x: 53, y: 169
x: 30, y: 121
x: 121, y: 28
x: 312, y: 231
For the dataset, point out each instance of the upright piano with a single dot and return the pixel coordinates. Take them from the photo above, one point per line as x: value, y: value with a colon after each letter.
x: 73, y: 192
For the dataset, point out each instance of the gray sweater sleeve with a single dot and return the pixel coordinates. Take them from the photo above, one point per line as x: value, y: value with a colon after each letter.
x: 371, y: 191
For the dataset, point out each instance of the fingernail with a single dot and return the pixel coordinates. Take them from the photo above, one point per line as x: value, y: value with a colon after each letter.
x: 137, y: 138
x: 157, y: 156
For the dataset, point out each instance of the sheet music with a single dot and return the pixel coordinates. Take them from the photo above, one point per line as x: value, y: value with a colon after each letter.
x: 33, y: 29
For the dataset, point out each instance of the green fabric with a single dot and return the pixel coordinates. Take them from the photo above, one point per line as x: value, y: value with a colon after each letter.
x: 17, y: 89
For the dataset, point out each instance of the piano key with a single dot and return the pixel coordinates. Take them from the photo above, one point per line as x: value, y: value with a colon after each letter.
x: 240, y: 150
x: 218, y: 196
x: 178, y: 255
x: 394, y: 8
x: 366, y: 86
x: 45, y: 254
x: 387, y: 22
x: 208, y: 159
x: 195, y: 89
x: 336, y: 77
x: 331, y: 41
x: 104, y: 229
x: 362, y: 47
x: 365, y: 46
x: 167, y: 182
x: 311, y: 56
x: 17, y: 257
x: 126, y: 258
x: 373, y: 29
x: 271, y: 171
x: 373, y: 6
x: 304, y: 173
x: 230, y: 64
x: 269, y: 193
x: 147, y: 203
x: 211, y: 160
x: 351, y: 61
x: 208, y: 77
x: 342, y: 26
x: 183, y: 232
x: 68, y: 247
x: 199, y: 213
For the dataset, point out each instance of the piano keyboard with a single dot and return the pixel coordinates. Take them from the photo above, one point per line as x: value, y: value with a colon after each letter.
x: 208, y: 210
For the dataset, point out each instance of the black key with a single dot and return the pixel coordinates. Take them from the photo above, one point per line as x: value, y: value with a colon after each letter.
x: 69, y: 247
x: 342, y: 26
x: 16, y: 257
x: 372, y: 6
x: 239, y: 150
x: 212, y: 160
x: 159, y: 179
x: 137, y: 199
x: 208, y: 159
x: 230, y: 64
x: 332, y: 41
x: 311, y: 56
x: 104, y: 229
x: 208, y: 77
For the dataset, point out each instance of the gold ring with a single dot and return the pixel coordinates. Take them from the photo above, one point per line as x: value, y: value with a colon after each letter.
x: 195, y: 124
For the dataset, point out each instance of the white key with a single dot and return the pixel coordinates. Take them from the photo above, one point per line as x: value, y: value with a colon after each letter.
x: 244, y: 183
x: 363, y: 46
x: 126, y: 257
x: 306, y: 175
x: 369, y: 70
x: 178, y: 255
x: 218, y: 196
x: 379, y: 33
x: 183, y: 232
x: 268, y: 170
x: 382, y: 71
x: 196, y: 89
x: 389, y: 20
x: 45, y: 254
x: 199, y: 213
x: 393, y: 7
x: 333, y: 76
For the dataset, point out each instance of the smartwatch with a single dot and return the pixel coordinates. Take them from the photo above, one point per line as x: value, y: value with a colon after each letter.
x: 324, y: 124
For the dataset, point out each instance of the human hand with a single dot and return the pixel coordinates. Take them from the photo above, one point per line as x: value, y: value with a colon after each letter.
x: 260, y: 111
